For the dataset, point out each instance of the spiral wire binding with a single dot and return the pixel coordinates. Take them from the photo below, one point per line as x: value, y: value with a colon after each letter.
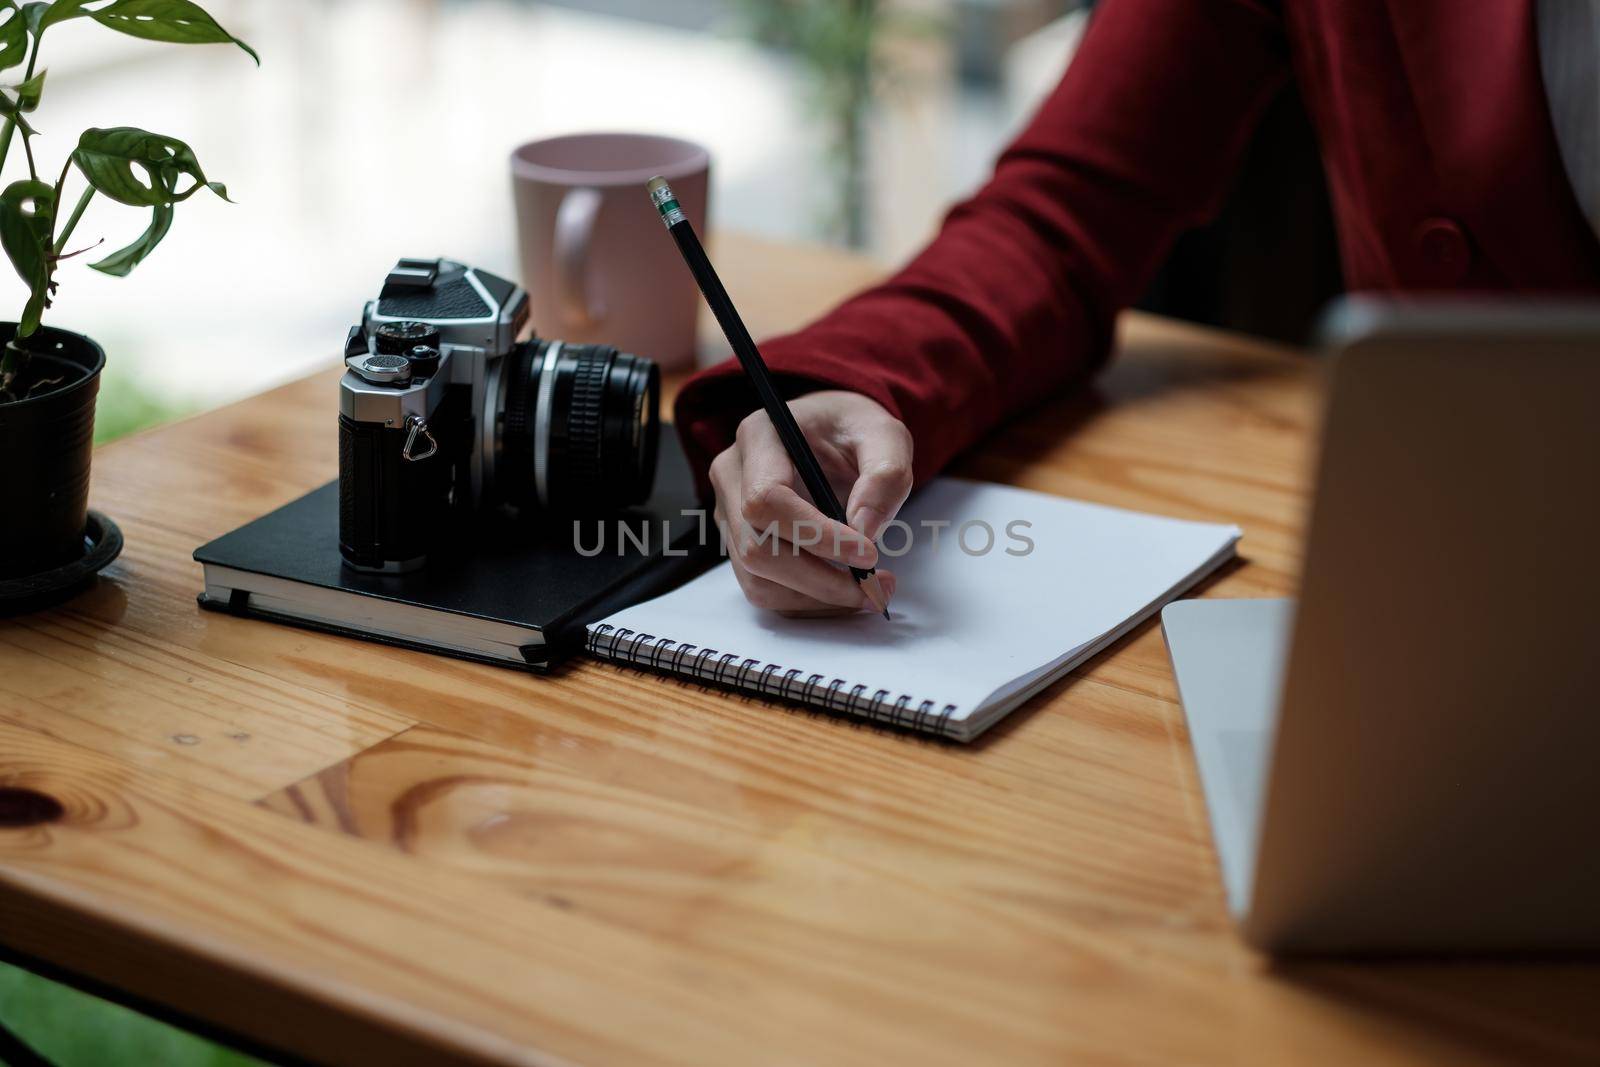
x: 768, y: 679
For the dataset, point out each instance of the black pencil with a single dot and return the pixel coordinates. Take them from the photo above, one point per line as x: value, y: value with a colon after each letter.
x: 755, y: 369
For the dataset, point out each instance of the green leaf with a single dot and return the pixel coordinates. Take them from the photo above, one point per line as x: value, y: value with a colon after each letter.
x: 27, y: 218
x: 137, y: 167
x: 41, y: 17
x: 13, y: 37
x: 176, y: 21
x: 28, y: 92
x: 122, y: 262
x: 15, y: 100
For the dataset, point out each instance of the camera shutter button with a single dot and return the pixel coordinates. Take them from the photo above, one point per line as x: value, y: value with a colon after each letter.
x: 385, y: 370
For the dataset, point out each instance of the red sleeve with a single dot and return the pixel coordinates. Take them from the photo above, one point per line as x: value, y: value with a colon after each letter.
x: 1018, y: 293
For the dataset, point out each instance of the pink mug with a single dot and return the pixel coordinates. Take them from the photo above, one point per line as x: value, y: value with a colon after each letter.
x: 596, y: 261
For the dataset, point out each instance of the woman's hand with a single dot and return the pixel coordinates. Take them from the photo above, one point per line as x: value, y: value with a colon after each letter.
x: 787, y: 555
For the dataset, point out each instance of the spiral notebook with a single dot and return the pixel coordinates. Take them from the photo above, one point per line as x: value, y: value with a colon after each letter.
x: 1001, y: 591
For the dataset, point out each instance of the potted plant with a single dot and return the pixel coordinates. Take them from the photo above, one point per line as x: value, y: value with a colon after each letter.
x: 49, y: 376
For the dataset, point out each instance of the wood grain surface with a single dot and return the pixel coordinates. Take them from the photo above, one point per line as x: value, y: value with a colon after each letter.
x: 360, y: 854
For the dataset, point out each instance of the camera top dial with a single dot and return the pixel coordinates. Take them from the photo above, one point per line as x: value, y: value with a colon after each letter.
x: 398, y: 338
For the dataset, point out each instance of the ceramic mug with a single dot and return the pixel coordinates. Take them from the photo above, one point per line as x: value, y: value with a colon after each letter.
x: 596, y: 260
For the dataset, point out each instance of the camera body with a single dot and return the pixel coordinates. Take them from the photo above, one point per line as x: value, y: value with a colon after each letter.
x: 446, y: 416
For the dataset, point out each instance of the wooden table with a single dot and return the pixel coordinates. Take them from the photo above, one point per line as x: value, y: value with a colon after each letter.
x: 361, y: 854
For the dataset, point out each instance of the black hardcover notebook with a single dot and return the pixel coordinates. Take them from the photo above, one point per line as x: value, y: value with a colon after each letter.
x: 505, y: 592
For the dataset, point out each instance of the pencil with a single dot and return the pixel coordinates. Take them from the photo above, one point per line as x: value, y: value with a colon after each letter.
x: 755, y: 368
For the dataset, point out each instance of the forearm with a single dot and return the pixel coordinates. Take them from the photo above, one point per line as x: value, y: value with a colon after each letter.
x: 1018, y: 293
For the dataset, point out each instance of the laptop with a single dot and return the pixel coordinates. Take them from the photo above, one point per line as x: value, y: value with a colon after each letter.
x: 1406, y: 757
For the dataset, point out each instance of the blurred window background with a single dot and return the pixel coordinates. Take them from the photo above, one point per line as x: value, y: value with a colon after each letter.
x: 376, y: 128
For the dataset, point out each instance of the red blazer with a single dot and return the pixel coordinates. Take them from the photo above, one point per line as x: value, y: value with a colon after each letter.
x: 1436, y: 137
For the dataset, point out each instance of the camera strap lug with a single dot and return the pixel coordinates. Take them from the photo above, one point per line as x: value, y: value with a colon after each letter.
x: 418, y: 425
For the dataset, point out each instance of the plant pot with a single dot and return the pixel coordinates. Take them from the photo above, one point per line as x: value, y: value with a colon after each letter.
x: 46, y: 442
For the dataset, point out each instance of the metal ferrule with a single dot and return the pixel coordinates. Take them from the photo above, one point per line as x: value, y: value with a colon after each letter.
x: 667, y: 204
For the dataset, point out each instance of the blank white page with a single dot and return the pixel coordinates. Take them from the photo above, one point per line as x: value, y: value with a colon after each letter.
x: 966, y: 625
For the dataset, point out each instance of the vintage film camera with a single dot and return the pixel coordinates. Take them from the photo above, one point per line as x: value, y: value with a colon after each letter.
x: 445, y: 416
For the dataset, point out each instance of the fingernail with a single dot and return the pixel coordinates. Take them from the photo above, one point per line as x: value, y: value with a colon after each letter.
x: 868, y: 521
x: 861, y: 552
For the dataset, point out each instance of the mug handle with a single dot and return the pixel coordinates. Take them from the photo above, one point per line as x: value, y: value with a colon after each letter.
x: 574, y: 232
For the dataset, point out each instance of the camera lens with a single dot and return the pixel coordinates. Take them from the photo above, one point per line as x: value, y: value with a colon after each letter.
x: 578, y: 429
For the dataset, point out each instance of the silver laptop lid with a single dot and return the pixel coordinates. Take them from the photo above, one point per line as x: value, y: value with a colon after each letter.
x: 1435, y: 782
